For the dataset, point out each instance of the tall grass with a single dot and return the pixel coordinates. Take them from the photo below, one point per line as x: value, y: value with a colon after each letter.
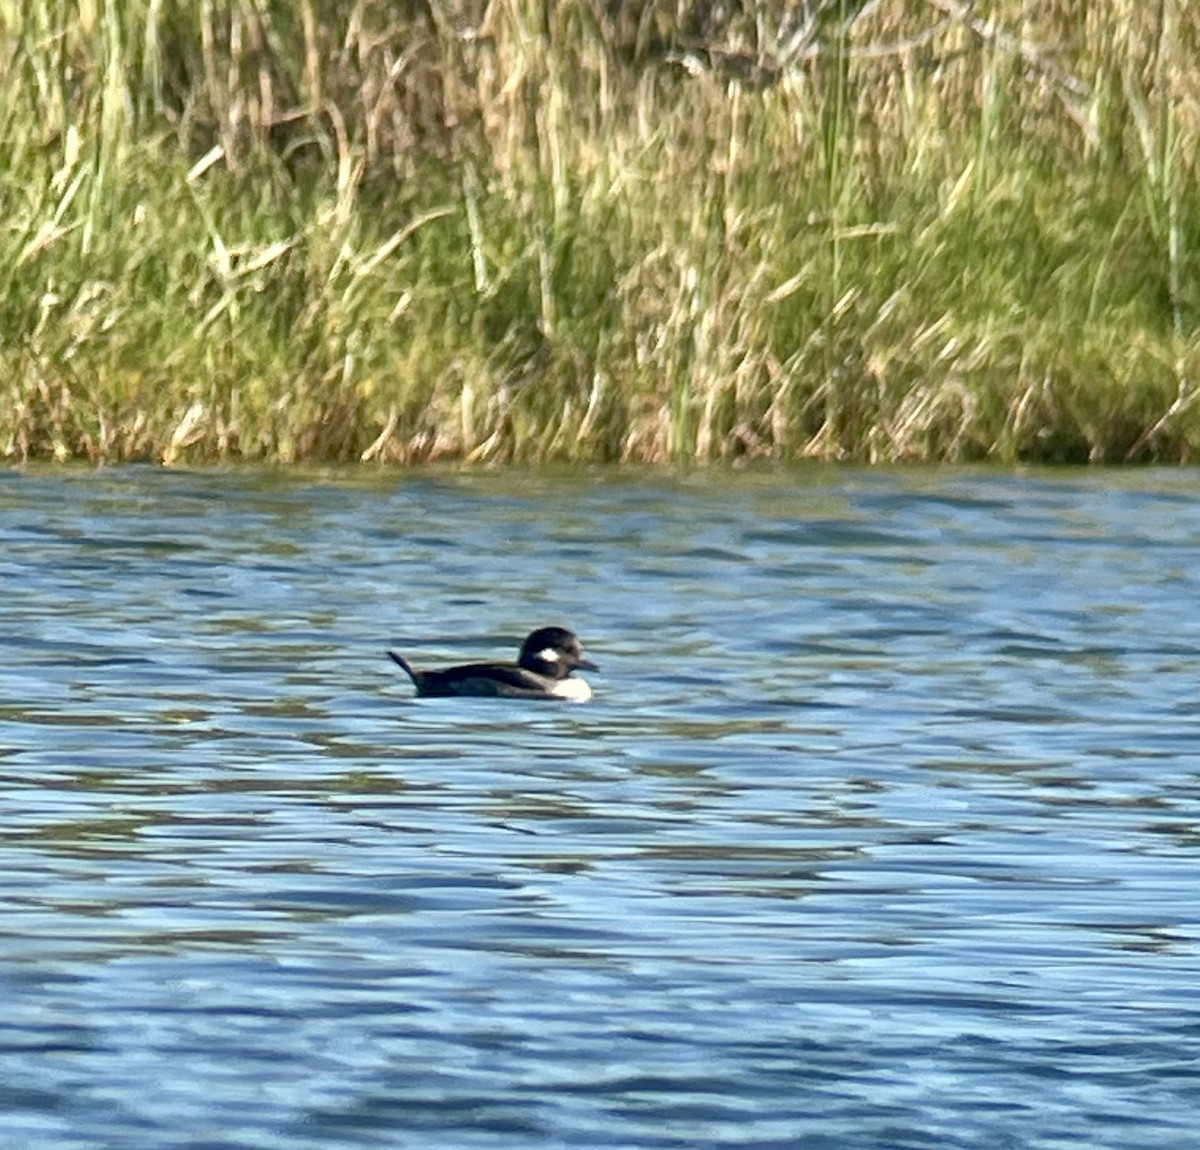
x: 343, y: 230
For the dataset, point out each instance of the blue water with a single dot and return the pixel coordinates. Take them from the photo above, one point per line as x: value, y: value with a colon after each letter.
x: 883, y: 830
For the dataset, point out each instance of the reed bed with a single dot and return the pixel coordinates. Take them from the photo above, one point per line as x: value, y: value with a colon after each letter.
x: 527, y: 231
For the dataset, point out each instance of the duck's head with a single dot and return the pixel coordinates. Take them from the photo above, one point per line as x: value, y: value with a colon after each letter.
x: 554, y: 652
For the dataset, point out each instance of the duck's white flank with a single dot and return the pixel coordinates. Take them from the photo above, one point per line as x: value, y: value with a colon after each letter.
x: 574, y: 690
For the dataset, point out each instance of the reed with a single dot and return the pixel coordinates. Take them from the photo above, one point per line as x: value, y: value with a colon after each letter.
x: 516, y: 231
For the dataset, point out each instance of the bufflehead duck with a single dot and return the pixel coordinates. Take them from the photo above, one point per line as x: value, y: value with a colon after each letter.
x: 542, y: 671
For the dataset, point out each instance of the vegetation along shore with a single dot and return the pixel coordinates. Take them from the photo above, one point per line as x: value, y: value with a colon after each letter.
x: 518, y: 230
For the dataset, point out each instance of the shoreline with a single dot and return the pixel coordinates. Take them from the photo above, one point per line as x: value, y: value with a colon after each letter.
x: 918, y: 238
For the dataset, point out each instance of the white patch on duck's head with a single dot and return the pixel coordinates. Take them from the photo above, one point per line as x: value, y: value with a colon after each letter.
x: 573, y: 690
x: 549, y: 655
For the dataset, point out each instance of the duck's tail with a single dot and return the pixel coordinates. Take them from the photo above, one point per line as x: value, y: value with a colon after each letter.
x: 406, y: 666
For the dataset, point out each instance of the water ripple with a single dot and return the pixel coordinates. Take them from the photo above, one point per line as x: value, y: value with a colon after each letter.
x: 880, y: 833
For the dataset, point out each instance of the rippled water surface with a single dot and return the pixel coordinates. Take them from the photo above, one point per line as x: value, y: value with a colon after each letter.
x: 883, y: 830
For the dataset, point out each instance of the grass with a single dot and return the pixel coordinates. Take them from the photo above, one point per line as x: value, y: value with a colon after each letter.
x: 585, y: 231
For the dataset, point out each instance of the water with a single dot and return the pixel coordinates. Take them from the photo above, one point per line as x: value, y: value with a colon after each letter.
x: 882, y: 831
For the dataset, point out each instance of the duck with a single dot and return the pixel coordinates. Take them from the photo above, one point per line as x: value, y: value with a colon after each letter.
x: 543, y: 670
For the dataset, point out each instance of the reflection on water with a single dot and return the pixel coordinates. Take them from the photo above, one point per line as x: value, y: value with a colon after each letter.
x: 881, y: 831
